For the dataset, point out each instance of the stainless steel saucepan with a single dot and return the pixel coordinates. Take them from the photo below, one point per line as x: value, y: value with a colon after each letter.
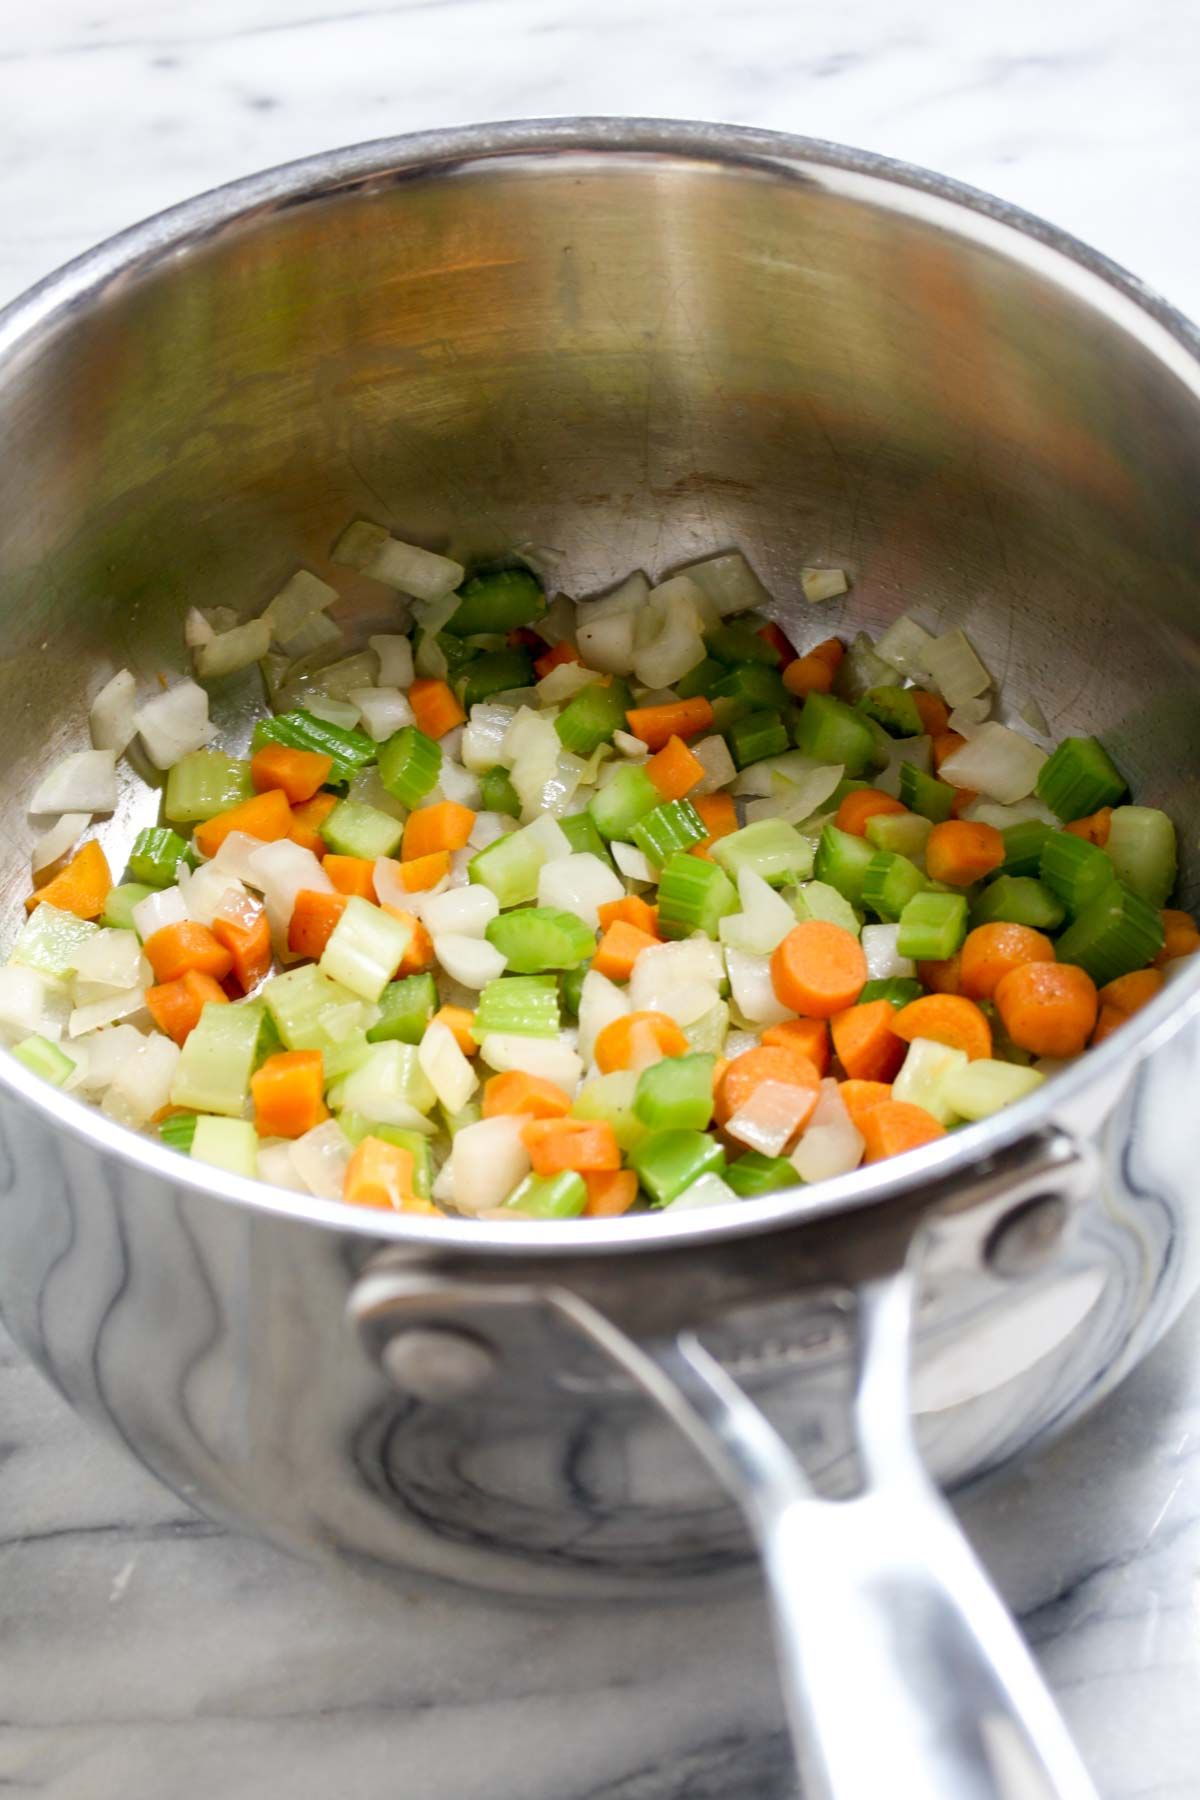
x: 629, y: 344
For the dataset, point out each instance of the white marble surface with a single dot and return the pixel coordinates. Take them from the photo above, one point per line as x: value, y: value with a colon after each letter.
x: 144, y: 1653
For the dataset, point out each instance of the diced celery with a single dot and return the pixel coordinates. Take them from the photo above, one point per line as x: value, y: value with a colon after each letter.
x: 861, y: 669
x: 693, y: 895
x: 50, y: 940
x: 737, y: 641
x: 904, y: 834
x: 517, y: 1005
x: 118, y: 908
x: 500, y: 602
x: 510, y: 867
x: 498, y: 793
x: 365, y: 948
x: 230, y: 1144
x: 1073, y: 869
x: 889, y: 883
x: 984, y: 1086
x: 570, y: 986
x: 592, y: 715
x: 177, y: 1130
x: 899, y: 989
x: 342, y: 1059
x: 1117, y: 933
x: 894, y: 708
x: 218, y: 1058
x: 1079, y: 778
x: 43, y: 1058
x: 495, y: 673
x: 674, y: 825
x: 388, y: 1084
x: 1023, y: 846
x: 611, y: 1098
x: 842, y: 861
x: 579, y: 829
x: 701, y: 680
x: 409, y: 765
x: 770, y: 847
x: 1141, y: 849
x: 709, y: 1031
x: 349, y: 751
x: 932, y: 926
x: 756, y: 736
x: 818, y: 900
x: 310, y: 1011
x: 538, y: 938
x: 925, y: 794
x: 562, y: 1196
x: 676, y: 1094
x: 406, y: 1009
x: 669, y: 1161
x: 831, y: 732
x: 1018, y: 900
x: 616, y: 808
x: 922, y: 1079
x: 353, y: 829
x: 155, y: 856
x: 748, y: 688
x: 754, y: 1174
x: 202, y: 784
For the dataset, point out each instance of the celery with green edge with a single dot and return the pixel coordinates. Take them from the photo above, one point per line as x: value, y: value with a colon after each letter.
x: 754, y: 1174
x: 354, y: 829
x: 747, y: 688
x: 842, y: 861
x: 349, y: 1053
x: 221, y: 1053
x: 229, y: 1144
x: 592, y: 715
x: 310, y: 1011
x: 579, y: 829
x: 388, y: 1086
x: 889, y: 883
x: 561, y: 1196
x: 904, y: 834
x: 1079, y: 778
x: 831, y: 732
x: 570, y: 986
x: 818, y: 900
x: 349, y: 751
x: 894, y: 708
x: 365, y: 948
x: 739, y: 641
x: 610, y: 1098
x: 673, y: 825
x: 756, y: 736
x: 900, y: 990
x: 509, y: 866
x: 495, y: 673
x: 925, y: 794
x: 1073, y: 869
x: 676, y: 1094
x: 1023, y: 846
x: 1141, y: 851
x: 693, y: 895
x: 118, y: 908
x: 406, y: 1007
x: 519, y: 1006
x: 702, y: 679
x: 43, y: 1058
x: 616, y: 808
x: 204, y: 783
x: 499, y: 602
x: 1018, y: 900
x: 177, y: 1130
x: 409, y: 765
x: 668, y: 1161
x: 1115, y: 934
x: 709, y: 1031
x: 770, y: 847
x: 156, y: 855
x: 932, y: 926
x: 498, y: 793
x: 538, y: 938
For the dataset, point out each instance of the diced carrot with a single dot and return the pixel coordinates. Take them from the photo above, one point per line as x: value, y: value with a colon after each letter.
x: 866, y: 1045
x: 458, y: 1020
x: 809, y: 1036
x: 585, y: 1145
x: 175, y: 949
x: 1094, y: 829
x: 381, y: 1174
x: 944, y: 977
x: 298, y: 772
x: 809, y: 674
x: 677, y: 718
x: 314, y: 916
x: 614, y: 1046
x: 858, y: 1097
x: 830, y: 650
x: 307, y: 819
x: 435, y: 708
x: 423, y: 873
x: 241, y: 926
x: 81, y: 888
x: 718, y: 815
x: 1048, y: 1009
x: 175, y: 1006
x: 897, y: 1125
x: 863, y: 804
x: 633, y: 910
x: 610, y: 1192
x: 521, y: 638
x: 1108, y: 1019
x: 554, y: 658
x: 419, y: 954
x: 352, y: 875
x: 962, y: 799
x: 960, y: 851
x: 945, y: 743
x: 932, y: 710
x: 947, y: 1019
x: 818, y: 969
x: 515, y: 1092
x: 1129, y: 993
x: 619, y: 949
x: 990, y: 951
x: 745, y: 1074
x: 674, y: 770
x: 445, y: 826
x: 287, y: 1092
x: 267, y: 817
x: 772, y: 634
x: 1180, y: 936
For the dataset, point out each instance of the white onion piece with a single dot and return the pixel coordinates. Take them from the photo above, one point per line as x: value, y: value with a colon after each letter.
x: 831, y: 1144
x: 23, y: 1003
x: 706, y: 1190
x: 317, y: 633
x: 303, y: 597
x: 275, y: 1166
x: 233, y: 650
x: 629, y: 596
x: 772, y: 1116
x: 464, y: 912
x: 111, y: 717
x: 579, y: 884
x: 1031, y: 714
x: 157, y: 911
x: 85, y: 781
x: 555, y: 1059
x: 558, y: 620
x: 668, y: 641
x: 955, y: 669
x: 487, y: 1160
x: 233, y: 858
x: 753, y: 992
x: 632, y: 862
x: 764, y: 921
x: 395, y: 660
x: 485, y: 734
x: 103, y: 1052
x: 738, y: 1042
x: 375, y: 552
x: 450, y: 1074
x: 458, y: 784
x: 549, y: 837
x: 173, y: 723
x: 990, y: 812
x: 564, y: 681
x: 111, y: 959
x: 600, y: 1002
x: 320, y: 1158
x: 793, y: 802
x: 196, y: 629
x: 764, y: 777
x: 719, y: 767
x: 141, y: 1084
x: 606, y: 640
x: 969, y: 715
x: 471, y: 960
x: 384, y: 710
x: 903, y: 645
x: 884, y: 960
x: 205, y: 889
x: 280, y: 871
x: 429, y: 659
x: 59, y: 839
x: 333, y: 711
x: 823, y: 584
x: 120, y: 1004
x: 729, y: 582
x: 915, y: 750
x: 997, y: 763
x: 632, y: 746
x: 487, y: 828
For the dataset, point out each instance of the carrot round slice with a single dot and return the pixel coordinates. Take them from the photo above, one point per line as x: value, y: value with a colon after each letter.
x: 866, y: 1041
x: 897, y: 1125
x: 948, y: 1019
x: 809, y: 1036
x: 990, y: 951
x: 860, y: 1097
x: 944, y: 977
x: 819, y: 969
x: 1129, y: 993
x: 1048, y: 1009
x: 769, y: 1062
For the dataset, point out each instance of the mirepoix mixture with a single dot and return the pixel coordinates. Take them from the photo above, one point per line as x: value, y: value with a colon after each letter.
x: 534, y: 910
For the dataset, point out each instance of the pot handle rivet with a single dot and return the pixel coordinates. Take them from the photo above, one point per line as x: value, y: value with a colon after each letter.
x: 436, y: 1364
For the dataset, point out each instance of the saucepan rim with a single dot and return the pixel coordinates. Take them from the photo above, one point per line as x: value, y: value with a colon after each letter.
x: 1020, y: 237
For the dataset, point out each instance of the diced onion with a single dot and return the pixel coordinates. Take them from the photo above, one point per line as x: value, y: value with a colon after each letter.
x: 729, y: 582
x: 280, y: 871
x: 600, y: 1002
x: 384, y: 710
x: 753, y: 991
x: 141, y: 1084
x: 706, y: 1190
x: 764, y: 921
x: 196, y: 629
x: 103, y: 1052
x: 23, y: 1003
x: 632, y: 862
x: 450, y: 1074
x: 558, y: 620
x: 794, y: 802
x: 550, y: 839
x: 321, y: 1157
x: 668, y: 640
x: 111, y: 717
x: 333, y: 712
x: 276, y: 1168
x: 233, y: 650
x: 771, y: 1117
x: 173, y: 723
x: 85, y: 781
x: 58, y: 840
x: 903, y: 645
x: 304, y: 597
x: 553, y: 1058
x: 483, y: 739
x: 395, y: 660
x: 205, y: 888
x: 471, y: 960
x: 563, y: 682
x: 954, y: 668
x: 969, y: 715
x: 831, y: 1144
x: 487, y: 1161
x: 632, y: 746
x: 462, y: 912
x: 823, y: 584
x: 884, y: 961
x: 407, y: 567
x: 157, y: 911
x: 990, y: 812
x: 111, y: 959
x: 318, y: 633
x: 995, y: 762
x: 578, y: 884
x: 120, y: 1004
x: 233, y: 858
x: 487, y: 828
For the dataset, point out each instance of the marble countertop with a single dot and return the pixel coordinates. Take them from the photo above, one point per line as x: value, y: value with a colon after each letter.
x: 145, y: 1651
